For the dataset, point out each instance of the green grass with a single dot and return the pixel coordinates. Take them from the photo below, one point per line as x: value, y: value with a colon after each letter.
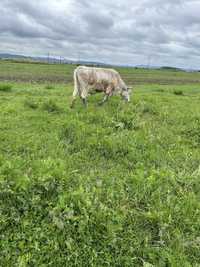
x: 62, y: 73
x: 116, y: 185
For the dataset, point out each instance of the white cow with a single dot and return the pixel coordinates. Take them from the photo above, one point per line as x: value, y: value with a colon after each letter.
x: 88, y: 80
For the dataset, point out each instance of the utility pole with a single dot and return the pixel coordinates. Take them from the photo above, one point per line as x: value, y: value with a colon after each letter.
x: 48, y: 57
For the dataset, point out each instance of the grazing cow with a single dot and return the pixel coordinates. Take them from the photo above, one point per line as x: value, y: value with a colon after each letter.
x: 88, y: 80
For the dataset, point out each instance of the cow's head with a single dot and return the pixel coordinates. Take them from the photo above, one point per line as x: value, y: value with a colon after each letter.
x: 125, y: 93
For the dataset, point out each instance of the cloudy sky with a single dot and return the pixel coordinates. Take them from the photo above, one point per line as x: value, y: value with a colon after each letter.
x: 156, y: 32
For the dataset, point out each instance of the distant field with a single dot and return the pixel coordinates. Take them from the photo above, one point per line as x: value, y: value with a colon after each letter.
x: 62, y: 73
x: 116, y: 185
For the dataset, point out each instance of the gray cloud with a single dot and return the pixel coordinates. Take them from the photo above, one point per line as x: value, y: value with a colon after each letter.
x: 115, y: 31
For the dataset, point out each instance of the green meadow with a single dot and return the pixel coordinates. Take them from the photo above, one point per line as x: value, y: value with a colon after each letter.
x: 112, y: 185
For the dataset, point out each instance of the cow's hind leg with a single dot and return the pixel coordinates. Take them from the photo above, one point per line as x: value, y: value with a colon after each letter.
x: 84, y: 102
x: 84, y: 95
x: 72, y: 102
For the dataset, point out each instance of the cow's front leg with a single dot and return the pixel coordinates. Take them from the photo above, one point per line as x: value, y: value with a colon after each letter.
x: 104, y: 100
x: 108, y: 92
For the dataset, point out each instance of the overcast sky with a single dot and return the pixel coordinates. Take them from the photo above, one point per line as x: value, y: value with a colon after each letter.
x: 159, y: 32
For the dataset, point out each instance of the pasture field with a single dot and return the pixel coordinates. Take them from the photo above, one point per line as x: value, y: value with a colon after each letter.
x: 116, y: 185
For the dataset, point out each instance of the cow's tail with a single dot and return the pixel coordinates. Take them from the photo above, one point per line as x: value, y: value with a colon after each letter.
x: 76, y: 88
x: 76, y: 84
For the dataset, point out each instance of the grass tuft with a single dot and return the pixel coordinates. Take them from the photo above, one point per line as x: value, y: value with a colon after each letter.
x: 178, y: 92
x: 51, y: 107
x: 30, y: 104
x: 5, y: 87
x: 159, y: 90
x: 146, y: 108
x: 49, y: 87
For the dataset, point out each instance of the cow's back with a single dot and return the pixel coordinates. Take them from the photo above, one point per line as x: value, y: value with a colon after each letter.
x: 93, y: 75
